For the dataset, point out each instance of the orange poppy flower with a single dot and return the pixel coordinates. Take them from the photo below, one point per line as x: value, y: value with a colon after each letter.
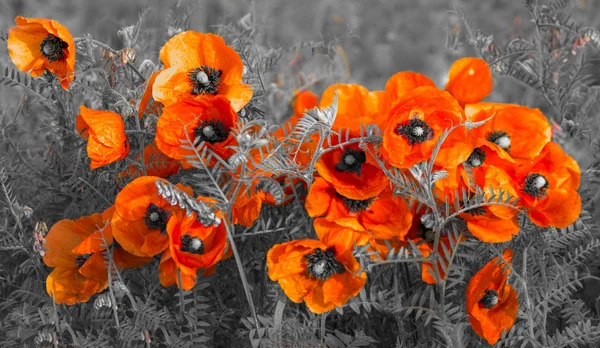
x: 428, y: 270
x: 37, y: 45
x: 209, y: 120
x: 493, y: 181
x: 356, y: 106
x: 492, y: 304
x: 193, y: 246
x: 105, y: 133
x: 139, y: 223
x: 516, y: 133
x: 415, y: 124
x: 548, y: 188
x: 145, y: 100
x: 381, y: 217
x: 322, y: 275
x: 488, y: 228
x: 199, y: 65
x: 401, y: 84
x: 75, y: 250
x: 246, y: 206
x: 469, y: 80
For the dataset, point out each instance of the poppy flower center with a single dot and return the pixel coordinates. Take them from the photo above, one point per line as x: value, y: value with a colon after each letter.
x: 192, y: 245
x: 52, y: 48
x: 476, y: 158
x: 212, y: 131
x: 81, y: 259
x: 205, y: 80
x: 156, y: 217
x: 356, y: 205
x: 351, y: 161
x: 416, y: 131
x: 323, y: 264
x: 500, y: 138
x: 536, y: 185
x: 427, y: 234
x: 489, y: 299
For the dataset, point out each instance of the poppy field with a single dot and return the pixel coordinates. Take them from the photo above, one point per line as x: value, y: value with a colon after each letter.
x: 191, y: 178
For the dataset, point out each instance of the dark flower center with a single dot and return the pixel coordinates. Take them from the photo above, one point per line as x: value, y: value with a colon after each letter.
x: 536, y: 185
x: 52, y: 48
x: 323, y: 264
x: 351, y: 161
x: 476, y: 158
x: 156, y: 218
x: 192, y: 245
x: 427, y: 234
x: 212, y: 131
x: 490, y: 299
x: 205, y: 80
x: 356, y: 205
x: 416, y: 131
x: 500, y: 138
x: 81, y: 259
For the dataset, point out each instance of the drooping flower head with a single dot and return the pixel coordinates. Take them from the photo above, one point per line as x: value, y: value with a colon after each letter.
x: 321, y: 274
x: 105, y: 133
x: 547, y: 187
x: 197, y: 66
x: 76, y: 250
x: 492, y: 304
x: 207, y: 120
x: 469, y: 80
x: 37, y: 45
x: 381, y: 217
x: 139, y: 223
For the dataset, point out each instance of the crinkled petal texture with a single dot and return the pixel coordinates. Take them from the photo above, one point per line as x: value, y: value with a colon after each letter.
x: 190, y: 50
x: 356, y: 106
x: 107, y: 141
x: 134, y: 207
x: 559, y: 204
x: 287, y: 264
x: 69, y: 286
x: 401, y: 84
x: 527, y: 129
x: 380, y: 217
x: 24, y: 47
x: 169, y: 274
x: 489, y: 323
x: 194, y: 246
x: 489, y: 228
x: 183, y: 121
x: 469, y: 80
x: 440, y: 112
x: 368, y: 181
x: 246, y: 206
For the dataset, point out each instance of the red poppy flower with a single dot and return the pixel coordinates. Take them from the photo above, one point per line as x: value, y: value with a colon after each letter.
x: 469, y: 80
x: 139, y: 223
x: 199, y: 65
x: 246, y: 206
x: 37, y: 45
x: 381, y: 217
x: 322, y: 275
x: 516, y: 133
x: 105, y: 133
x: 492, y: 304
x: 548, y: 188
x: 401, y: 84
x: 415, y: 124
x: 210, y: 120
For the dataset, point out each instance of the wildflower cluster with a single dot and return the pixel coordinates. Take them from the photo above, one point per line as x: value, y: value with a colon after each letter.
x: 410, y: 170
